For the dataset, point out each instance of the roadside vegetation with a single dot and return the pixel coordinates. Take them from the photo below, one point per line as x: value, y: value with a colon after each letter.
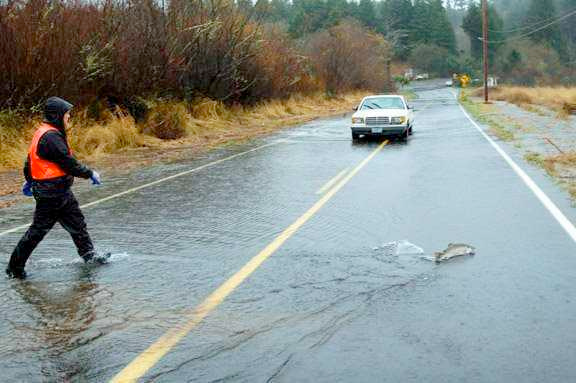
x: 486, y: 114
x: 532, y: 52
x: 531, y: 42
x: 150, y: 74
x: 170, y: 124
x: 561, y: 167
x: 561, y: 100
x: 557, y: 159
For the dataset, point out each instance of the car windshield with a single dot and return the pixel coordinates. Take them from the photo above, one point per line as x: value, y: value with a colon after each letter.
x: 383, y: 103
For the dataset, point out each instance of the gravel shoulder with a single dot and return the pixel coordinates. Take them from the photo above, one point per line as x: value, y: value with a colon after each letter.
x: 542, y: 137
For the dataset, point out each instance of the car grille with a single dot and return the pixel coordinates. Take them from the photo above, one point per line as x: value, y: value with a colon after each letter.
x: 377, y: 120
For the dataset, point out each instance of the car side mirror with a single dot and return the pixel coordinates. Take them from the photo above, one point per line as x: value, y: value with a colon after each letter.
x: 355, y: 108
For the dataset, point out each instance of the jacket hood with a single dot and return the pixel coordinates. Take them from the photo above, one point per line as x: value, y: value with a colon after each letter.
x: 54, y: 111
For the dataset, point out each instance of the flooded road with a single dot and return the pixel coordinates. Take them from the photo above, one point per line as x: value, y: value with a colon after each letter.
x: 335, y: 302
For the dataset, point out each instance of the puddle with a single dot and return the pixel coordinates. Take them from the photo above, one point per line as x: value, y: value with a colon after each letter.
x: 56, y: 262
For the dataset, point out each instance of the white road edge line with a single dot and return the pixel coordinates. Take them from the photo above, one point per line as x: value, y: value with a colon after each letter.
x: 129, y: 191
x: 329, y: 184
x: 566, y: 224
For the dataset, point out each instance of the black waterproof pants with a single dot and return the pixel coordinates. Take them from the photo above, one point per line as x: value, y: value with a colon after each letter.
x: 64, y: 209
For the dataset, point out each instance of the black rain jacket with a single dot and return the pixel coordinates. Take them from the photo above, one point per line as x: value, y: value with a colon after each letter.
x: 53, y: 146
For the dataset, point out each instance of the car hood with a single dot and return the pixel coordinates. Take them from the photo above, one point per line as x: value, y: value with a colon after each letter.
x: 381, y: 113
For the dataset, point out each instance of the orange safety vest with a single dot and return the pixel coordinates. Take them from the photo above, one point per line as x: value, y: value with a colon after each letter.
x: 40, y: 168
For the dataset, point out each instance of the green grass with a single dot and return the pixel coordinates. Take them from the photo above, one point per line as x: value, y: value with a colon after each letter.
x: 501, y: 131
x: 535, y: 158
x: 485, y: 113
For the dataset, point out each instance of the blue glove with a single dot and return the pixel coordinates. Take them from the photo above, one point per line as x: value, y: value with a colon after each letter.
x: 96, y: 180
x: 27, y: 189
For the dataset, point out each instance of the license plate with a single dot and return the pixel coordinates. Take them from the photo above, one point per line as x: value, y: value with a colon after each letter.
x: 376, y: 130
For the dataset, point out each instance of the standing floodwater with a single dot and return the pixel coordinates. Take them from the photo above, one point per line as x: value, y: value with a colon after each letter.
x: 352, y: 295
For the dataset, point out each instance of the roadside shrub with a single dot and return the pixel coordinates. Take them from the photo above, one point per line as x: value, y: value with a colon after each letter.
x: 40, y: 45
x: 13, y: 143
x: 555, y: 98
x: 282, y: 69
x: 117, y: 131
x: 122, y: 51
x: 167, y: 121
x: 347, y: 57
x: 210, y: 49
x: 518, y: 97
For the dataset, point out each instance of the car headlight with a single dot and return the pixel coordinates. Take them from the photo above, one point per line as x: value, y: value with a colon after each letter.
x: 357, y: 120
x: 398, y: 120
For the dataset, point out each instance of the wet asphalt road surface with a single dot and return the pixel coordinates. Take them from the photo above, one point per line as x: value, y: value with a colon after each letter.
x: 333, y: 304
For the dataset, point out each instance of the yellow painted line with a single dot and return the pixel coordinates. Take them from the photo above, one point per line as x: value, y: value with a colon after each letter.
x: 147, y: 359
x: 330, y: 183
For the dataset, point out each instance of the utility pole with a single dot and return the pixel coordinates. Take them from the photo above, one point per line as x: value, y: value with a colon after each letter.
x: 485, y: 46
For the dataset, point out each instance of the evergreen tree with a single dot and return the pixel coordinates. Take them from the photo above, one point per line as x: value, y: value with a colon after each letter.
x: 538, y: 13
x: 472, y: 25
x: 512, y: 11
x: 262, y: 10
x: 457, y: 4
x: 244, y: 5
x: 419, y: 26
x: 397, y: 14
x: 280, y: 10
x: 337, y: 11
x: 441, y: 28
x: 430, y: 25
x: 395, y: 22
x: 568, y: 26
x: 366, y: 13
x: 354, y: 10
x: 308, y: 16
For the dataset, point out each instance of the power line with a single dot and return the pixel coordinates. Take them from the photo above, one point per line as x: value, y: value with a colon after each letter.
x: 519, y: 37
x: 529, y: 26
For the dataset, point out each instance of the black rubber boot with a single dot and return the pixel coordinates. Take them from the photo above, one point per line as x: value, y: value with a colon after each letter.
x: 16, y: 273
x: 95, y: 258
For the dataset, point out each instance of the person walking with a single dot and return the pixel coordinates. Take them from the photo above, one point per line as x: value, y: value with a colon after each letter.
x: 49, y: 170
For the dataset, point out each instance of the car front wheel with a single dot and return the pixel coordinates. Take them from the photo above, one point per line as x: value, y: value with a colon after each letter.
x: 405, y: 134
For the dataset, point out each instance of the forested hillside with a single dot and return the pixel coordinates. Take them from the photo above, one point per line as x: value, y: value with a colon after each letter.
x: 531, y: 41
x: 245, y: 51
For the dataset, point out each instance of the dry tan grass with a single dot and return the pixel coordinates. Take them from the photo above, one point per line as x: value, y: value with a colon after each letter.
x: 14, y: 142
x: 205, y: 123
x: 564, y: 166
x: 567, y: 159
x: 559, y: 99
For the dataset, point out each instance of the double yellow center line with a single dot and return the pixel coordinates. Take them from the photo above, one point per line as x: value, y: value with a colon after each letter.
x: 331, y: 183
x: 147, y: 359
